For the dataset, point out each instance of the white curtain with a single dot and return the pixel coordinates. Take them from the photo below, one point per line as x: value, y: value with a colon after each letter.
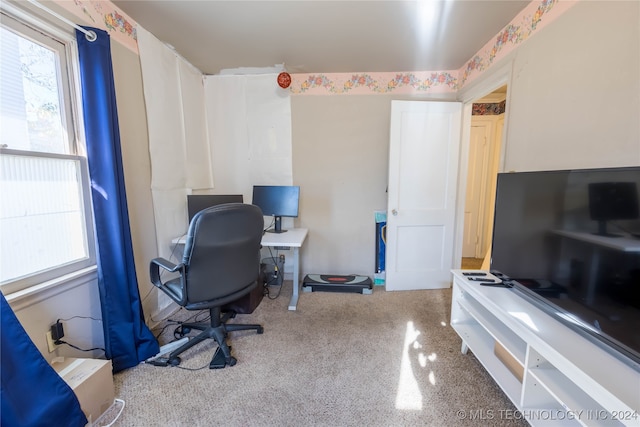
x: 234, y: 130
x: 174, y: 98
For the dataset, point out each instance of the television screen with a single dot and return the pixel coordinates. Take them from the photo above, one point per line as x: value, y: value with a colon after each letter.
x: 277, y: 201
x: 550, y: 239
x: 198, y: 202
x: 611, y: 201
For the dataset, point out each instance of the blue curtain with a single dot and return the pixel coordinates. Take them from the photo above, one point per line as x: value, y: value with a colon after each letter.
x: 128, y: 341
x: 32, y: 393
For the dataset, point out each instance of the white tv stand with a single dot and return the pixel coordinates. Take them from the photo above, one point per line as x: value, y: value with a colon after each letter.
x: 551, y: 373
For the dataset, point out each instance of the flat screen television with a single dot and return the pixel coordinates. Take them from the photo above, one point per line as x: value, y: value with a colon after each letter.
x: 198, y: 202
x: 610, y: 201
x: 549, y: 239
x: 277, y: 201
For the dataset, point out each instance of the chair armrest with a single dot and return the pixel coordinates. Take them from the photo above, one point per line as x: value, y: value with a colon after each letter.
x: 154, y: 270
x: 166, y: 264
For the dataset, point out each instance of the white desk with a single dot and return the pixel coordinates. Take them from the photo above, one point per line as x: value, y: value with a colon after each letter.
x: 293, y: 238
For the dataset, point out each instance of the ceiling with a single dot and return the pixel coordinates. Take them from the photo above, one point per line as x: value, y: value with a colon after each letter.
x: 325, y: 36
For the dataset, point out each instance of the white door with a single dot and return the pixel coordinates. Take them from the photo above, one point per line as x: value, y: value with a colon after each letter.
x: 477, y: 177
x: 423, y: 172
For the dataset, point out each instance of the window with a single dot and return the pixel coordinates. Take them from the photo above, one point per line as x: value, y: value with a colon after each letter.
x: 46, y: 226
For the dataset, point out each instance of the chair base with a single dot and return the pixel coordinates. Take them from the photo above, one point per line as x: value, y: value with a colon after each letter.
x: 219, y: 361
x: 216, y: 330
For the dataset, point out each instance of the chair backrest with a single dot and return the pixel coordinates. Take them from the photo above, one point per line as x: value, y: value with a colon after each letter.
x: 222, y: 253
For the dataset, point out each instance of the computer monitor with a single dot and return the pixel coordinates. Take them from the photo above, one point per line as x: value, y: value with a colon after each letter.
x: 198, y: 202
x: 277, y: 201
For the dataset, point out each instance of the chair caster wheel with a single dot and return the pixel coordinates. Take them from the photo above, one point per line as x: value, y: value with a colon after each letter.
x: 182, y: 331
x: 175, y: 361
x: 260, y: 330
x: 232, y: 361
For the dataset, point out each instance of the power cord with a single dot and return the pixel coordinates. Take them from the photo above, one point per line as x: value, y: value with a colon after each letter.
x: 164, y: 328
x: 273, y: 222
x: 78, y: 317
x: 107, y: 415
x: 59, y: 342
x: 165, y: 363
x: 192, y: 369
x: 57, y: 332
x: 178, y: 332
x: 197, y: 317
x: 267, y: 292
x: 277, y: 279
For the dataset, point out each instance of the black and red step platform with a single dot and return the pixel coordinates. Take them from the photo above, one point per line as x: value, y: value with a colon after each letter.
x: 337, y: 283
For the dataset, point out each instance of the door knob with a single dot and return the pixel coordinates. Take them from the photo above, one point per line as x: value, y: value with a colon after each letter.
x: 394, y: 212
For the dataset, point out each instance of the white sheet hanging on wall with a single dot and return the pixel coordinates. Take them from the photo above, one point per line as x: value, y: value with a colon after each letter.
x: 248, y: 141
x: 163, y: 102
x: 249, y: 122
x: 269, y: 131
x: 226, y: 123
x: 199, y: 174
x: 174, y: 98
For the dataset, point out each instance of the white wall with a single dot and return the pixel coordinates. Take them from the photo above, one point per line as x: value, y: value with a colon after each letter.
x: 340, y: 157
x: 340, y: 161
x: 575, y: 92
x: 77, y: 303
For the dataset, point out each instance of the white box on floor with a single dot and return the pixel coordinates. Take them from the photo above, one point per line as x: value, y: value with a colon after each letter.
x: 92, y: 382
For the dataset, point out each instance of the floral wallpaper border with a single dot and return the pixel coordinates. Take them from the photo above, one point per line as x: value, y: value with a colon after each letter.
x: 539, y: 13
x: 441, y: 81
x: 488, y: 109
x: 105, y: 15
x: 523, y: 26
x: 532, y: 18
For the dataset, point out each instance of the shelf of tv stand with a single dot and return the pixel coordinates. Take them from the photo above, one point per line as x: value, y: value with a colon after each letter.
x: 498, y: 330
x: 562, y: 371
x: 566, y: 393
x: 481, y: 345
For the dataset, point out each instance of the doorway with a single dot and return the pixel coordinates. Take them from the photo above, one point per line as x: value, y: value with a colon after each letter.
x: 485, y: 143
x: 424, y: 148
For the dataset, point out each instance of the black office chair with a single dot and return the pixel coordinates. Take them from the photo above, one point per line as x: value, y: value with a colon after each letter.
x: 220, y: 264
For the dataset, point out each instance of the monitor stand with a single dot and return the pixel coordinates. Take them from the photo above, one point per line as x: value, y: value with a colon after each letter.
x: 278, y: 226
x: 602, y: 230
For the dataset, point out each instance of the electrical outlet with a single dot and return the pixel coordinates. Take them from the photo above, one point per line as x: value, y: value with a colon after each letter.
x: 51, y: 345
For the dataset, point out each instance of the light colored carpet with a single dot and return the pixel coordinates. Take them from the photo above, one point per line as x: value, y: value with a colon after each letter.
x: 386, y: 359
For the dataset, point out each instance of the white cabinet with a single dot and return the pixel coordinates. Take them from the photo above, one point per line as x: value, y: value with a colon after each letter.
x: 552, y: 374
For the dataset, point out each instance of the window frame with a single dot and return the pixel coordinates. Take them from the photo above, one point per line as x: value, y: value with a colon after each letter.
x: 63, y: 42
